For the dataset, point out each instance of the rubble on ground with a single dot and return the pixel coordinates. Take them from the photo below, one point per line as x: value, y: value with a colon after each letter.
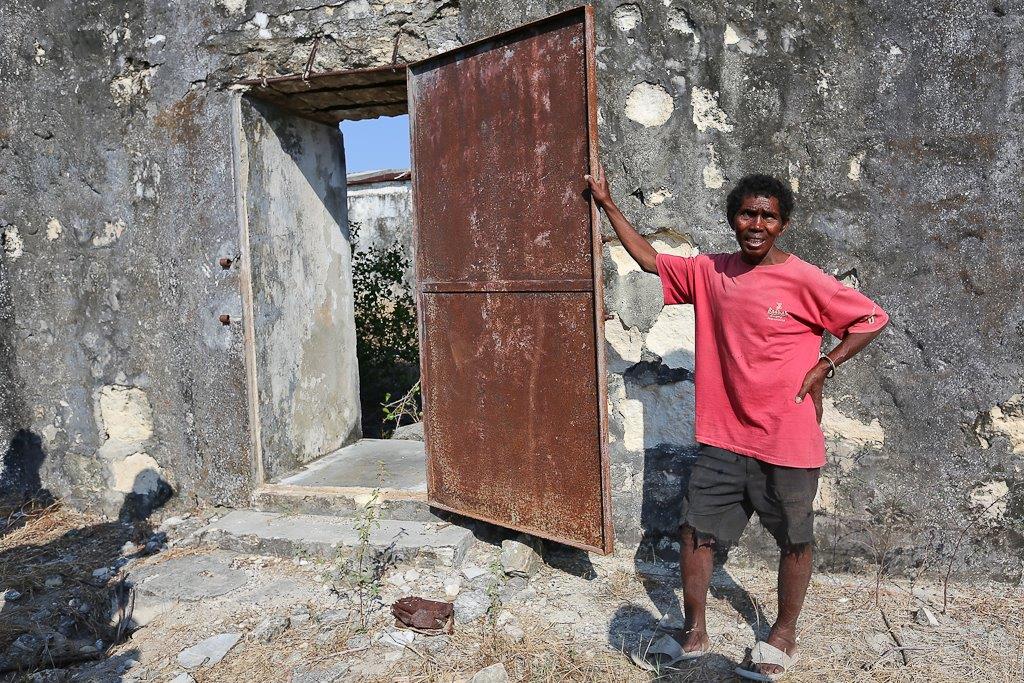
x: 205, y: 614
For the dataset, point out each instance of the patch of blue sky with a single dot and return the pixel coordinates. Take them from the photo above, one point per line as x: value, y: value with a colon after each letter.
x: 375, y: 144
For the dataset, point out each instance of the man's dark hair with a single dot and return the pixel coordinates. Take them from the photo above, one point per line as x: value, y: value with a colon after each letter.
x: 759, y: 185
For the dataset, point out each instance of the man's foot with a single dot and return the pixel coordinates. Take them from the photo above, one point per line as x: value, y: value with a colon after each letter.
x: 693, y: 639
x: 785, y: 640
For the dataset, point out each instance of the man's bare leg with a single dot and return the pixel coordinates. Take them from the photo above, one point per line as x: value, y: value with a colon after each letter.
x: 794, y: 577
x: 696, y: 562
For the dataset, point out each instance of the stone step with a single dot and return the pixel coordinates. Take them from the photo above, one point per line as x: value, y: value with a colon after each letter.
x: 328, y: 537
x: 345, y: 502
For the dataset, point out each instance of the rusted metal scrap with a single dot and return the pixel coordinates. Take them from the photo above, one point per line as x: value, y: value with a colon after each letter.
x: 431, y: 617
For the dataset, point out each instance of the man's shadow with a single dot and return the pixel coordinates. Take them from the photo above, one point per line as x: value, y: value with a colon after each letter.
x: 666, y: 472
x: 57, y: 601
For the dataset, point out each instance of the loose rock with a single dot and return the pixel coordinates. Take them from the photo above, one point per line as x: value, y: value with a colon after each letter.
x: 208, y: 652
x: 452, y: 586
x: 471, y: 571
x: 520, y: 556
x: 470, y: 606
x: 398, y: 638
x: 413, y: 432
x: 335, y: 617
x: 495, y: 673
x: 358, y: 642
x: 925, y: 617
x: 270, y: 628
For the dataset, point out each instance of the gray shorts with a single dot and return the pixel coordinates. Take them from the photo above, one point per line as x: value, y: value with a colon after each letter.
x: 726, y: 488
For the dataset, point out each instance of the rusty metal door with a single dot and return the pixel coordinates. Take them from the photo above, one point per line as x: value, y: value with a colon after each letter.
x: 508, y: 275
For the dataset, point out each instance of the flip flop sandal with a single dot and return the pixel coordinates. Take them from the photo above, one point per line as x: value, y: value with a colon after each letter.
x: 662, y: 653
x: 763, y: 653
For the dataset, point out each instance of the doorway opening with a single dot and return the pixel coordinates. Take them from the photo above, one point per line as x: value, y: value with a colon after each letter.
x: 383, y: 280
x: 510, y: 310
x: 336, y: 352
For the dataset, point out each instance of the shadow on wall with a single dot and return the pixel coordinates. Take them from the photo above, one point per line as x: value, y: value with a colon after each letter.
x: 661, y: 390
x: 22, y: 463
x: 64, y: 603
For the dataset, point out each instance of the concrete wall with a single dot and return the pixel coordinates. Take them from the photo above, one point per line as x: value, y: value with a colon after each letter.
x: 304, y: 337
x: 383, y: 212
x: 117, y: 200
x: 898, y: 125
x: 898, y: 129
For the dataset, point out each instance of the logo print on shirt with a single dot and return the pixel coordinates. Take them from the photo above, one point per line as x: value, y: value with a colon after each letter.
x: 777, y: 312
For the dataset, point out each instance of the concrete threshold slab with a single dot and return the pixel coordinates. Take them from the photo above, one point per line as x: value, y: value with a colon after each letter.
x: 392, y: 464
x: 343, y: 501
x: 272, y: 533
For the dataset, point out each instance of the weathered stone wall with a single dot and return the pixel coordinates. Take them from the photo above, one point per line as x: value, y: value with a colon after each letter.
x: 300, y: 261
x: 898, y: 125
x: 117, y: 201
x: 383, y: 213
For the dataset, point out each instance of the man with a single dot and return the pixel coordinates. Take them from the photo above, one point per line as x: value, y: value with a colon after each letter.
x: 760, y: 315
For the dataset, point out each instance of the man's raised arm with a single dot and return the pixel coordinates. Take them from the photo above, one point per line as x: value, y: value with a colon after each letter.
x: 639, y: 248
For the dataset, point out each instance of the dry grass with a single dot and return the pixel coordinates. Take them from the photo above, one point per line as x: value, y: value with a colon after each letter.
x: 844, y: 637
x: 621, y: 586
x: 40, y: 540
x: 298, y: 648
x: 543, y: 654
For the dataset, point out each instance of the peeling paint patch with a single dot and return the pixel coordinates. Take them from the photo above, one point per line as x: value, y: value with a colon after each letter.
x: 261, y: 22
x: 147, y: 178
x: 655, y: 415
x: 132, y: 82
x: 40, y: 55
x: 679, y: 20
x: 624, y: 263
x: 112, y: 230
x: 989, y: 500
x: 232, y: 6
x: 730, y: 37
x: 626, y: 344
x: 53, y: 229
x: 789, y: 36
x: 822, y: 86
x: 649, y: 105
x: 138, y: 473
x: 1005, y: 420
x: 839, y: 427
x: 714, y: 176
x: 155, y: 40
x: 855, y: 166
x: 673, y: 337
x: 627, y: 17
x: 125, y: 414
x: 794, y: 176
x: 706, y: 112
x: 14, y: 246
x: 657, y: 197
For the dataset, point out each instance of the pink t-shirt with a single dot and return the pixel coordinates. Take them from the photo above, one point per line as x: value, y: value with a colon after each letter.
x: 758, y: 332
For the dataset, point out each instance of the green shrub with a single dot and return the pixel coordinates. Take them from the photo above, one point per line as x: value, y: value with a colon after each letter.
x: 387, y: 347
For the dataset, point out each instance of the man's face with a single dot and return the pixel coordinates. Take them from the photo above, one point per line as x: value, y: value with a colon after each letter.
x: 758, y: 223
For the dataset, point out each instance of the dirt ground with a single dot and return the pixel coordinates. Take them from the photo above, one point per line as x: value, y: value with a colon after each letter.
x: 149, y: 595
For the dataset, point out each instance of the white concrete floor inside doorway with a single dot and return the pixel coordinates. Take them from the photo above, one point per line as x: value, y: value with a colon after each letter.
x: 389, y: 464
